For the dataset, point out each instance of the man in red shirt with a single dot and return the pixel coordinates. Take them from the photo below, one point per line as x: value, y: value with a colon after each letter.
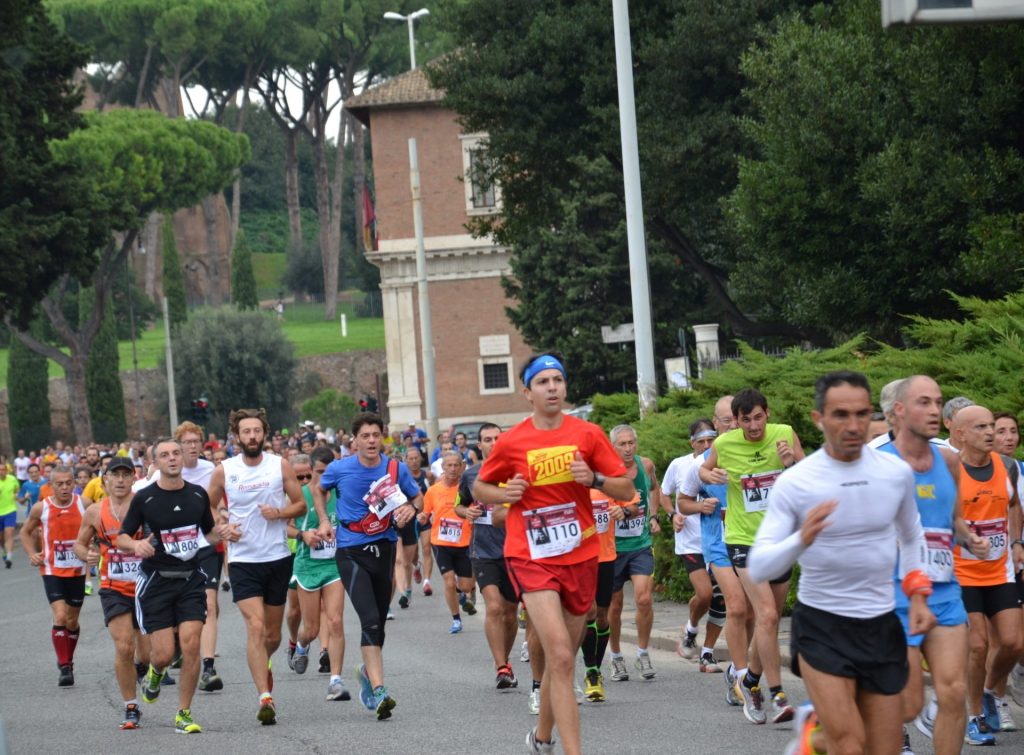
x: 544, y: 467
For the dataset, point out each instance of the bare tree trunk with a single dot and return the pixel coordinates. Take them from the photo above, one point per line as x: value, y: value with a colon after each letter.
x: 358, y: 179
x: 291, y: 183
x: 336, y: 204
x: 328, y: 253
x: 152, y: 269
x: 217, y: 280
x: 74, y: 377
x: 236, y: 189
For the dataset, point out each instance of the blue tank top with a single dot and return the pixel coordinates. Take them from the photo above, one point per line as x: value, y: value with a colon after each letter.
x: 711, y: 524
x: 935, y: 493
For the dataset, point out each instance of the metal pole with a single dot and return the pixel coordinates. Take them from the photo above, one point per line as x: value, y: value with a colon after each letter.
x: 412, y: 44
x: 135, y: 351
x: 172, y: 400
x: 647, y: 382
x: 426, y: 331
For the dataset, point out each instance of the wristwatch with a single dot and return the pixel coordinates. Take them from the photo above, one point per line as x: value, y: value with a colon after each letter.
x: 598, y: 482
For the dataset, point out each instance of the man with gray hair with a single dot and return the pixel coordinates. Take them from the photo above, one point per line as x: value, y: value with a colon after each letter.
x: 886, y: 400
x: 949, y: 411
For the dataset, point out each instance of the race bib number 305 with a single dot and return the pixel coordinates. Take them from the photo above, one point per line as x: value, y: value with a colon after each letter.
x: 183, y: 542
x: 552, y: 530
x: 993, y: 530
x: 755, y: 489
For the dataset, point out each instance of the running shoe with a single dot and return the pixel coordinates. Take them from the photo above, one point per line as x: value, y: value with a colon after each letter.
x: 535, y: 746
x: 365, y: 689
x: 132, y: 717
x: 1006, y: 722
x: 225, y: 586
x: 210, y: 681
x: 183, y: 723
x: 456, y: 626
x: 300, y: 662
x: 426, y: 588
x: 417, y: 572
x: 291, y: 656
x: 686, y: 646
x: 336, y: 690
x: 780, y: 709
x: 521, y: 618
x: 925, y: 721
x: 463, y: 597
x: 151, y: 685
x: 267, y: 714
x: 990, y: 710
x: 709, y: 664
x: 88, y: 587
x: 404, y: 599
x: 325, y: 662
x: 805, y: 725
x: 578, y: 690
x: 733, y: 693
x: 524, y: 652
x: 391, y: 614
x: 66, y: 677
x: 1017, y: 684
x: 643, y: 665
x: 753, y: 704
x: 619, y: 672
x: 168, y: 680
x: 978, y: 732
x: 383, y: 703
x: 906, y: 749
x: 505, y: 678
x: 533, y: 704
x: 595, y: 686
x: 470, y: 607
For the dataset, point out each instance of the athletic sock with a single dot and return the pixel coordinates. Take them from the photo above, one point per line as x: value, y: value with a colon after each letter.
x: 335, y: 678
x: 265, y: 696
x: 602, y: 643
x: 589, y: 645
x: 751, y: 679
x: 72, y: 644
x: 616, y: 656
x: 705, y: 650
x: 536, y: 685
x: 134, y: 701
x: 291, y: 645
x: 59, y: 637
x: 641, y: 652
x: 738, y: 673
x: 773, y: 691
x: 208, y: 664
x: 300, y: 649
x: 690, y: 628
x: 457, y: 616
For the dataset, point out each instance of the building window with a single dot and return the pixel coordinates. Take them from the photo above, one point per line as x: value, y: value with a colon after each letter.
x: 483, y: 196
x: 495, y: 375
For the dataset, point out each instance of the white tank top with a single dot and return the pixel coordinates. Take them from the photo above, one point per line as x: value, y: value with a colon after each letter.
x: 245, y: 490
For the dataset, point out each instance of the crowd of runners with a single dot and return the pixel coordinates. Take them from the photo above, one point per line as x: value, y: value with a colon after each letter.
x: 909, y: 550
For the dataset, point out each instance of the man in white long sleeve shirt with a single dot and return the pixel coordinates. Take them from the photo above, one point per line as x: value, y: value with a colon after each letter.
x: 840, y: 513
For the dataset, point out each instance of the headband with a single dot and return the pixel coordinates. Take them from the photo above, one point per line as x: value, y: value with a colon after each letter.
x: 704, y: 434
x: 546, y: 362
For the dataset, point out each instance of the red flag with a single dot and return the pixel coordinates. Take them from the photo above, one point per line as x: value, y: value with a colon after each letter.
x: 369, y: 221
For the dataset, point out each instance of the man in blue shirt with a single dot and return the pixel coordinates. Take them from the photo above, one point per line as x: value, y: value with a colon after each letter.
x: 373, y: 493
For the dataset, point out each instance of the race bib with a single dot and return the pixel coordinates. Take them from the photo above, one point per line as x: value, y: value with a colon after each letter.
x: 552, y: 530
x: 940, y: 553
x: 994, y: 530
x: 324, y: 550
x: 755, y: 489
x: 633, y: 527
x: 384, y: 497
x: 183, y: 542
x: 485, y: 518
x: 122, y: 567
x: 602, y: 519
x: 64, y: 555
x: 449, y: 530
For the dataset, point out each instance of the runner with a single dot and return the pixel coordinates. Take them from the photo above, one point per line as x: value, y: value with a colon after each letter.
x: 749, y: 460
x: 1007, y: 440
x: 547, y: 462
x: 257, y: 494
x: 449, y: 537
x: 847, y: 642
x: 689, y: 550
x: 988, y: 494
x: 118, y: 571
x: 8, y: 511
x: 486, y: 552
x: 634, y: 554
x: 59, y: 518
x: 918, y: 409
x: 406, y: 561
x: 319, y: 585
x: 29, y: 492
x: 371, y: 491
x: 170, y: 592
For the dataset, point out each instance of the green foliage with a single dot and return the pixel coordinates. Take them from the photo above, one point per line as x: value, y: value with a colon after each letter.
x: 330, y: 408
x: 243, y: 282
x: 304, y: 272
x: 235, y: 359
x: 267, y: 230
x: 28, y: 401
x: 47, y: 218
x: 103, y: 388
x: 173, y: 276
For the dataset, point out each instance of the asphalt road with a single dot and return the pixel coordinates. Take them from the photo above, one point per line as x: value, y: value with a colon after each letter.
x: 443, y: 685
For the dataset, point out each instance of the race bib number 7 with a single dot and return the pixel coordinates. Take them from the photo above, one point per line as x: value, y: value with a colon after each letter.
x: 755, y: 489
x: 183, y: 542
x: 552, y: 530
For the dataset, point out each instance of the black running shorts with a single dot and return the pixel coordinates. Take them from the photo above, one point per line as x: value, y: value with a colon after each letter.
x: 492, y: 571
x: 213, y: 565
x: 605, y: 584
x: 991, y: 599
x: 69, y: 589
x: 162, y: 602
x: 115, y: 604
x: 453, y: 559
x: 262, y: 579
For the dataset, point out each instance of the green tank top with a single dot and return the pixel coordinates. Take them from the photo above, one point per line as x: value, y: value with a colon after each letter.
x: 753, y: 468
x: 304, y: 562
x: 634, y: 534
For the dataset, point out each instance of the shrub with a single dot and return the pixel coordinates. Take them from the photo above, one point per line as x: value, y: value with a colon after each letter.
x: 330, y: 408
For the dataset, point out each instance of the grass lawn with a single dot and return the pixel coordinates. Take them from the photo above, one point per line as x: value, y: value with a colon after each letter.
x: 304, y: 326
x: 268, y: 270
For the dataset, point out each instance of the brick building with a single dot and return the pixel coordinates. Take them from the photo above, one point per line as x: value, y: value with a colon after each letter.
x: 477, y: 350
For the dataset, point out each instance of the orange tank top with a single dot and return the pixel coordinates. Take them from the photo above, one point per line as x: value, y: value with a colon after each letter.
x: 60, y: 525
x: 985, y: 507
x: 118, y: 570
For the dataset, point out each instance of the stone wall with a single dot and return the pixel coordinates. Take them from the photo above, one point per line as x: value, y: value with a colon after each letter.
x: 351, y: 372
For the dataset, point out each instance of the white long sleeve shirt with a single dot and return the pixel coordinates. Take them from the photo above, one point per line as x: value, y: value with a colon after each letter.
x: 848, y: 569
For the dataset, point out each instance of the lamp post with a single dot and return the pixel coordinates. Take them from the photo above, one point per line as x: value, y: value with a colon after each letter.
x: 391, y: 16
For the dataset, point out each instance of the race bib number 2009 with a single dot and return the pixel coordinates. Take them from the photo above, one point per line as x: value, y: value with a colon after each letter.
x: 552, y: 530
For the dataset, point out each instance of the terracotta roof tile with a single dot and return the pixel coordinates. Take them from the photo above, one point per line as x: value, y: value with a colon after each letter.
x: 409, y: 88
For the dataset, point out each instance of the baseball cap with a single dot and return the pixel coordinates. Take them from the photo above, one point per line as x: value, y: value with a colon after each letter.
x: 308, y: 423
x: 121, y: 462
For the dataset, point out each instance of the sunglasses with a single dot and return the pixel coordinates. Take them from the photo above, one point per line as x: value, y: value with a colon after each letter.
x: 304, y: 477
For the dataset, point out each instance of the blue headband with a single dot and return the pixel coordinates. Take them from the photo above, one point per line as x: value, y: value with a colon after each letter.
x: 546, y: 362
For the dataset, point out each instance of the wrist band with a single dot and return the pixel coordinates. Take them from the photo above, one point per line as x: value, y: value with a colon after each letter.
x: 917, y: 583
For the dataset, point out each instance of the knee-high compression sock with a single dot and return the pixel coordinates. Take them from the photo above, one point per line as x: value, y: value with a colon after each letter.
x: 72, y: 644
x: 602, y: 643
x: 589, y: 646
x: 59, y: 635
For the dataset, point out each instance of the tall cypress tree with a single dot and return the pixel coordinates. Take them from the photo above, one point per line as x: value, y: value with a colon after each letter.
x: 243, y: 281
x: 174, y: 278
x: 103, y: 389
x: 28, y: 402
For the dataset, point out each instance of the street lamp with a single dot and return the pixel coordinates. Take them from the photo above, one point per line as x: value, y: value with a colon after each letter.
x: 391, y: 16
